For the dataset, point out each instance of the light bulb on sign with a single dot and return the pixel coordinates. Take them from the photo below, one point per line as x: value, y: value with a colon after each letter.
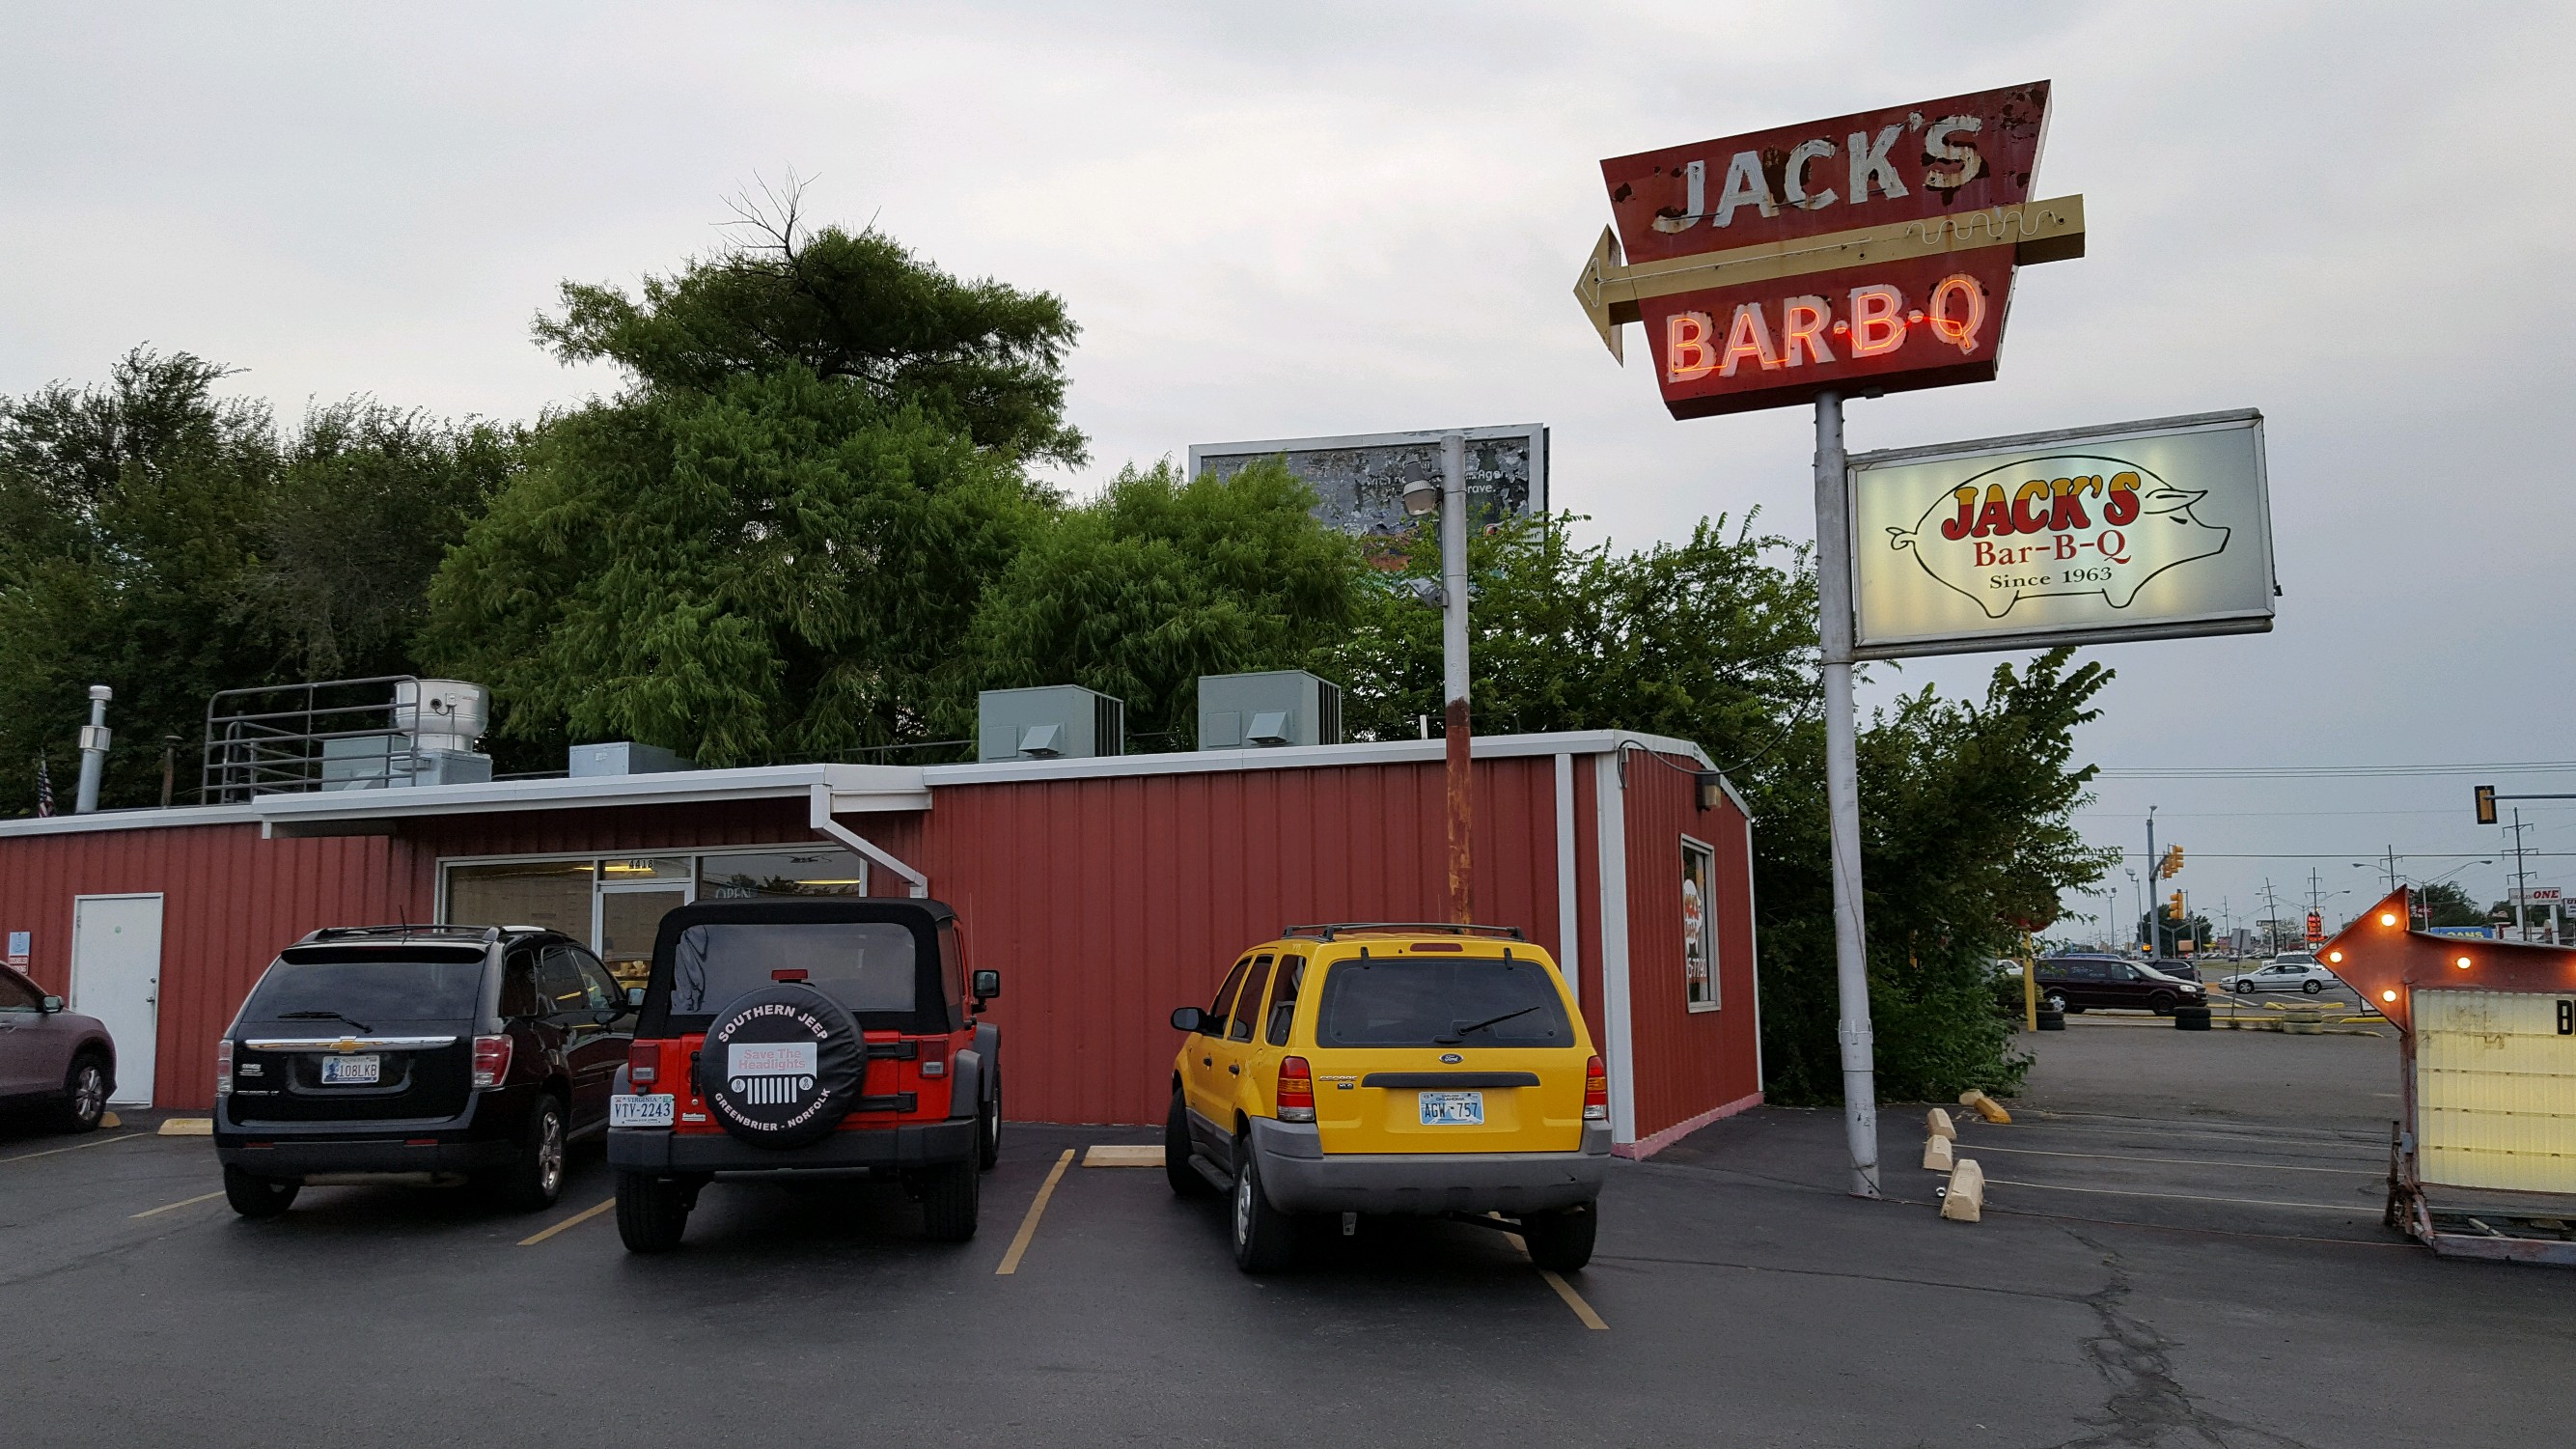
x: 2388, y: 918
x: 2388, y: 996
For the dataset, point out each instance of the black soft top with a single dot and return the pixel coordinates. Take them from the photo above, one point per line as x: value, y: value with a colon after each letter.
x: 936, y: 1007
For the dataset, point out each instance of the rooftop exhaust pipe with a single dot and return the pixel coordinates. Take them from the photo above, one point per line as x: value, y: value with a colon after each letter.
x: 93, y: 748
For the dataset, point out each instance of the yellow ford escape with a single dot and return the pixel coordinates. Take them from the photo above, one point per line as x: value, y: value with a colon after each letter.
x: 1392, y: 1068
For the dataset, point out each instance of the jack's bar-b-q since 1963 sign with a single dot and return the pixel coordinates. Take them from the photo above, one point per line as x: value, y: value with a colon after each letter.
x: 1870, y: 252
x: 2136, y: 531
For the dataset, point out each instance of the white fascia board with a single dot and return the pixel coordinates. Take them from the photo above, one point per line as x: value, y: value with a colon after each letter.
x: 854, y: 789
x: 1305, y: 757
x: 177, y: 815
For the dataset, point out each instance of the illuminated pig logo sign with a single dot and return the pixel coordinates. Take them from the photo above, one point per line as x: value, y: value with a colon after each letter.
x: 2069, y: 525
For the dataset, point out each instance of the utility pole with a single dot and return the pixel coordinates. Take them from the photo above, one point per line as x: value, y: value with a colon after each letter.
x: 1453, y: 677
x: 2153, y: 866
x: 1842, y: 796
x: 2521, y: 879
x: 2272, y: 927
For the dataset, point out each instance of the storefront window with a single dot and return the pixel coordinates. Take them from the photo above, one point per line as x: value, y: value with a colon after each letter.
x: 550, y: 893
x: 1699, y: 926
x: 820, y: 872
x: 619, y: 870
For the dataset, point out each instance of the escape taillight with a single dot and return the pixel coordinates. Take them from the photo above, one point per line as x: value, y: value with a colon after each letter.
x: 491, y: 1060
x: 643, y: 1063
x: 224, y: 1067
x: 1596, y: 1092
x: 1296, y: 1090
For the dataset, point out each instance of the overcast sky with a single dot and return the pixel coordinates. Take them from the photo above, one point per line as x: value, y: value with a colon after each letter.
x: 1278, y: 221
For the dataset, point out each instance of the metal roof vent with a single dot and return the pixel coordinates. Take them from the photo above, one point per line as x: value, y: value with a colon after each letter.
x: 1268, y: 710
x: 1061, y: 721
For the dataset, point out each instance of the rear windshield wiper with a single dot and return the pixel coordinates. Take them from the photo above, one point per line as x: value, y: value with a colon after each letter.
x: 1458, y: 1034
x: 323, y: 1016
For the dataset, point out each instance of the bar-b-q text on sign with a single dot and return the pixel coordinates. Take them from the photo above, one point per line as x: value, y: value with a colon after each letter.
x: 2132, y: 531
x: 1870, y: 252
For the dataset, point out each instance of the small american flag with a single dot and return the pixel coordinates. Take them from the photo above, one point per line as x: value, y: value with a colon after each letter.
x: 44, y: 789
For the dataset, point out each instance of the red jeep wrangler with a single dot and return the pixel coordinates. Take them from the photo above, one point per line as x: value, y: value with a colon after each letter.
x: 807, y: 1037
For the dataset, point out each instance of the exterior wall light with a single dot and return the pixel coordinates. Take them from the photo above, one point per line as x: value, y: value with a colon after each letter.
x: 2462, y: 963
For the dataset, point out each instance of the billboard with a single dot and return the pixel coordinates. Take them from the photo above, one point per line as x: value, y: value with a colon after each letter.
x: 1869, y: 252
x: 1360, y: 478
x: 2144, y: 530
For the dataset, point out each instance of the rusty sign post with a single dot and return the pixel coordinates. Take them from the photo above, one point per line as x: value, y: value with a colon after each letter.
x: 1865, y: 254
x: 1453, y: 678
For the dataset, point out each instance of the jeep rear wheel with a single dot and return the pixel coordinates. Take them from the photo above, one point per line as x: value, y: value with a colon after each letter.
x: 652, y: 1212
x: 951, y: 1199
x: 1561, y: 1241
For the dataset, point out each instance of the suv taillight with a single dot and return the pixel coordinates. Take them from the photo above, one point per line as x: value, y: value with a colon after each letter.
x: 1296, y: 1091
x: 643, y: 1063
x: 1596, y: 1092
x: 934, y: 1056
x: 491, y: 1060
x: 224, y: 1067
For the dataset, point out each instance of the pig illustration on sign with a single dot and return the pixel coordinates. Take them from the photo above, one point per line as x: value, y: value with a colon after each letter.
x: 2068, y: 525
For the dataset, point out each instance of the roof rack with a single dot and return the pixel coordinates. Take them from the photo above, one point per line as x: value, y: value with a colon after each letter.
x: 1337, y: 929
x: 485, y: 934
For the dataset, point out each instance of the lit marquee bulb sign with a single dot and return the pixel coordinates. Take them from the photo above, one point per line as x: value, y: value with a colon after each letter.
x: 1869, y: 252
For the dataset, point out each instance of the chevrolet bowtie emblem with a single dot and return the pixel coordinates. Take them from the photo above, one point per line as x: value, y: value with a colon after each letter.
x: 346, y: 1044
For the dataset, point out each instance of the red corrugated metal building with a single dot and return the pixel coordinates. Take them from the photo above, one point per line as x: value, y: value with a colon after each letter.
x: 1106, y: 890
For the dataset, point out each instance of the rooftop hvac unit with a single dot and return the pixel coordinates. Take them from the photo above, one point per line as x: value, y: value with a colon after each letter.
x: 1265, y: 711
x: 1060, y: 721
x: 343, y: 734
x: 625, y: 757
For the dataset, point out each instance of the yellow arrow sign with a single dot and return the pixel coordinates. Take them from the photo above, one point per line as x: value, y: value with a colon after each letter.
x: 1610, y: 291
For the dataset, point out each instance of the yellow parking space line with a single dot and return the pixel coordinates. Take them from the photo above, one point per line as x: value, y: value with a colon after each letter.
x: 1573, y: 1300
x: 1029, y: 1224
x: 77, y: 1146
x: 174, y: 1207
x: 576, y: 1220
x: 1563, y: 1289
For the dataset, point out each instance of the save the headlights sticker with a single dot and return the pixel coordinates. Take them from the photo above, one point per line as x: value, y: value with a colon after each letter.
x: 2128, y: 530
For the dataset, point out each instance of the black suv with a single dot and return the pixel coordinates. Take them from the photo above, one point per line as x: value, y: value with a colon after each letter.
x: 423, y: 1054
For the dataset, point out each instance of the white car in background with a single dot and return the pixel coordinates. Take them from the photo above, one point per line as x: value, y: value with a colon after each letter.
x: 2289, y: 971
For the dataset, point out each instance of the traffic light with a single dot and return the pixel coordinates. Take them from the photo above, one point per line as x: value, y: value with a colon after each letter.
x: 2486, y: 805
x: 2173, y: 905
x: 2171, y: 865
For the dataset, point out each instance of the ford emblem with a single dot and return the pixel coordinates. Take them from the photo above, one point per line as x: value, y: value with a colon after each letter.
x: 1451, y: 1058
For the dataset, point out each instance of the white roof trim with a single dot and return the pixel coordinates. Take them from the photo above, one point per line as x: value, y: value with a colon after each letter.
x: 1296, y: 757
x: 172, y: 818
x: 853, y: 789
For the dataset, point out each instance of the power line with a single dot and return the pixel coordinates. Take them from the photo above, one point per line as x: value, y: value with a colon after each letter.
x: 2331, y: 772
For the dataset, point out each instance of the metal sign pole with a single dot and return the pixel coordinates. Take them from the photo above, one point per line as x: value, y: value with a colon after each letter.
x: 1453, y: 674
x: 1842, y: 794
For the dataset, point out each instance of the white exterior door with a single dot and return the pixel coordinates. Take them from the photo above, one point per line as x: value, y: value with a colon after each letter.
x: 116, y: 977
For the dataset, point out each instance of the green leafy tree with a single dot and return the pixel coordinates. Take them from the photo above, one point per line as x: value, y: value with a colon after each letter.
x: 771, y: 545
x: 2449, y: 904
x: 164, y: 541
x: 1965, y: 804
x: 854, y: 308
x: 1159, y: 581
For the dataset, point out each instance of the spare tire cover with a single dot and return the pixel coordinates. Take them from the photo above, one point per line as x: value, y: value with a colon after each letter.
x: 781, y: 1065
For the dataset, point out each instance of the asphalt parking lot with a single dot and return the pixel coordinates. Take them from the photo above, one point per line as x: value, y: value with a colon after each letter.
x: 2181, y: 1247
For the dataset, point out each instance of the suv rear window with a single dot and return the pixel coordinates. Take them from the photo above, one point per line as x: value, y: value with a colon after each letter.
x: 1414, y: 1002
x: 368, y: 988
x: 867, y: 966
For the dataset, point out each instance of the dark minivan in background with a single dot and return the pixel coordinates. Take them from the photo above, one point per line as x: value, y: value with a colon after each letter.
x: 419, y: 1054
x: 2074, y: 982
